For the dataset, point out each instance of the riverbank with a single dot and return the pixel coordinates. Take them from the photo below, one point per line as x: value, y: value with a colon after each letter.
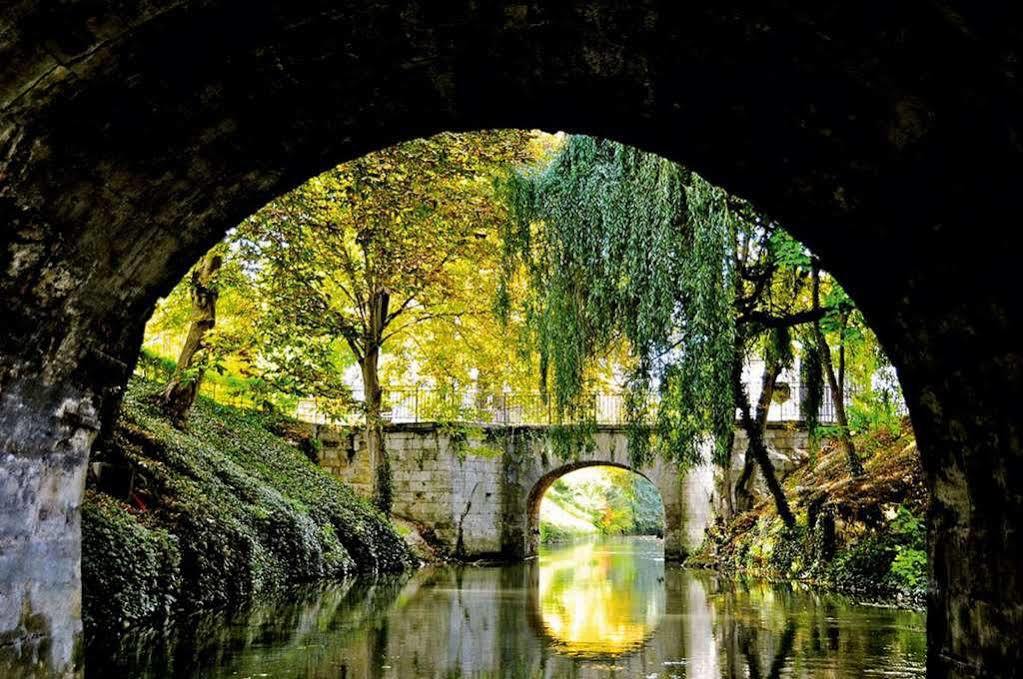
x: 212, y: 515
x: 864, y: 536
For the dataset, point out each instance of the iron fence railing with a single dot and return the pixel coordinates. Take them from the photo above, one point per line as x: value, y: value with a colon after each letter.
x: 473, y: 406
x: 412, y: 404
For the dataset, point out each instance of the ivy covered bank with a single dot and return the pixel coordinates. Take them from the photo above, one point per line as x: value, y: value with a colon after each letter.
x: 207, y: 516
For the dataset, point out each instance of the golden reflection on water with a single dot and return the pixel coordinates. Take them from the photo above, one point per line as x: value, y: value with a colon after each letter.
x: 601, y: 599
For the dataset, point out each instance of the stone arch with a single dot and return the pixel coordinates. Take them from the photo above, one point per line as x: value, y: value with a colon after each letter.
x: 544, y: 483
x: 133, y: 134
x: 687, y: 499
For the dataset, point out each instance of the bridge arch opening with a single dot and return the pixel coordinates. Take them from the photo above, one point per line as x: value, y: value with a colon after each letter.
x: 551, y: 500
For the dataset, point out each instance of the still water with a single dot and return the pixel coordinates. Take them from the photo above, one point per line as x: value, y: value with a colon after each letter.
x: 607, y: 608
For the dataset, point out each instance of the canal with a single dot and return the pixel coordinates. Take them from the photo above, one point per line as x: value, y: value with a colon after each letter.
x: 602, y: 608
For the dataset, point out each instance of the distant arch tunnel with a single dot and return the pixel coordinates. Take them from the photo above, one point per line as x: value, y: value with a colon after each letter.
x: 476, y: 491
x: 559, y: 471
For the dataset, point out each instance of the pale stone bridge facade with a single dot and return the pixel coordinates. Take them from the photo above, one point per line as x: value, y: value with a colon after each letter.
x: 476, y: 491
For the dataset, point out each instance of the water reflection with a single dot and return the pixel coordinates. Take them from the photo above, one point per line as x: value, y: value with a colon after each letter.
x: 601, y: 598
x: 597, y: 610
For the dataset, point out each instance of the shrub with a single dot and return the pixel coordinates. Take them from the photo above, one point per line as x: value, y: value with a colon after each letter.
x: 864, y: 566
x: 130, y: 572
x: 909, y: 568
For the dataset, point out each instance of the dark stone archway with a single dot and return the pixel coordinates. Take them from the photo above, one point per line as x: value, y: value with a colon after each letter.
x: 886, y: 135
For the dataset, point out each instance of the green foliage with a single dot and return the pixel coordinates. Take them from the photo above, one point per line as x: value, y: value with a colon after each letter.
x: 788, y: 555
x: 893, y: 558
x: 552, y: 532
x: 131, y: 573
x: 909, y: 528
x: 620, y: 243
x: 647, y: 507
x: 154, y: 366
x: 874, y: 411
x: 812, y: 377
x: 864, y: 565
x: 373, y: 247
x: 909, y: 567
x: 416, y: 221
x: 788, y: 252
x: 242, y: 509
x: 778, y: 347
x: 569, y: 441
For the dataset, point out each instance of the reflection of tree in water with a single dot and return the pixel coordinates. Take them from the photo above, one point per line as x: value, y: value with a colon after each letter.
x: 750, y: 652
x: 765, y: 630
x: 284, y: 630
x: 488, y: 622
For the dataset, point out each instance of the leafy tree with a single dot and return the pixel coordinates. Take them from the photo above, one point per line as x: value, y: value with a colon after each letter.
x: 595, y: 232
x: 209, y: 315
x: 471, y: 351
x: 372, y: 248
x: 620, y: 243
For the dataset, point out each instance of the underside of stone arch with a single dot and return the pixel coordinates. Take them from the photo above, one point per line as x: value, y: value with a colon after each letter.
x: 887, y: 136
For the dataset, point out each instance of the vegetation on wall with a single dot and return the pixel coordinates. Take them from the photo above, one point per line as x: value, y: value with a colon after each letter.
x: 210, y: 515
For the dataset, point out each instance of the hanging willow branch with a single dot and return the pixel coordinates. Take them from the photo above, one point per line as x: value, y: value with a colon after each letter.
x: 615, y: 241
x: 812, y: 378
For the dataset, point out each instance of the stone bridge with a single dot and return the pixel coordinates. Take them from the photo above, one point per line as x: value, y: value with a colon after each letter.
x: 476, y: 491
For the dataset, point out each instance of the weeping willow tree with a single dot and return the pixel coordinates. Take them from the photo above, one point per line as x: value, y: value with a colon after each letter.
x: 618, y: 244
x: 621, y: 244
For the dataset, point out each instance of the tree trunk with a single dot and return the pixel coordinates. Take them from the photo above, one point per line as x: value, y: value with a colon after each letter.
x: 180, y: 392
x: 371, y: 382
x: 743, y: 494
x: 754, y: 427
x: 837, y: 387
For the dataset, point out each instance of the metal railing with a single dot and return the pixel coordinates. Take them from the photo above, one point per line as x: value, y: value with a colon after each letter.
x: 473, y: 406
x: 414, y: 404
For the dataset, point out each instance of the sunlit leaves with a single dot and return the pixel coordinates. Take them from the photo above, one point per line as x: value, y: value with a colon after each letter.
x: 620, y: 243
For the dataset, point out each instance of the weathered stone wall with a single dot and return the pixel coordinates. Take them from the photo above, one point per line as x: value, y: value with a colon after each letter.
x: 477, y: 491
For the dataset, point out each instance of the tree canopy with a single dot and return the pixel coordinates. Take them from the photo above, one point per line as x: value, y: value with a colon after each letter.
x: 618, y: 244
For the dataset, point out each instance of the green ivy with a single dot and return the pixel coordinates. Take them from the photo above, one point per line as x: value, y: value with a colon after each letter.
x: 131, y: 572
x: 224, y: 510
